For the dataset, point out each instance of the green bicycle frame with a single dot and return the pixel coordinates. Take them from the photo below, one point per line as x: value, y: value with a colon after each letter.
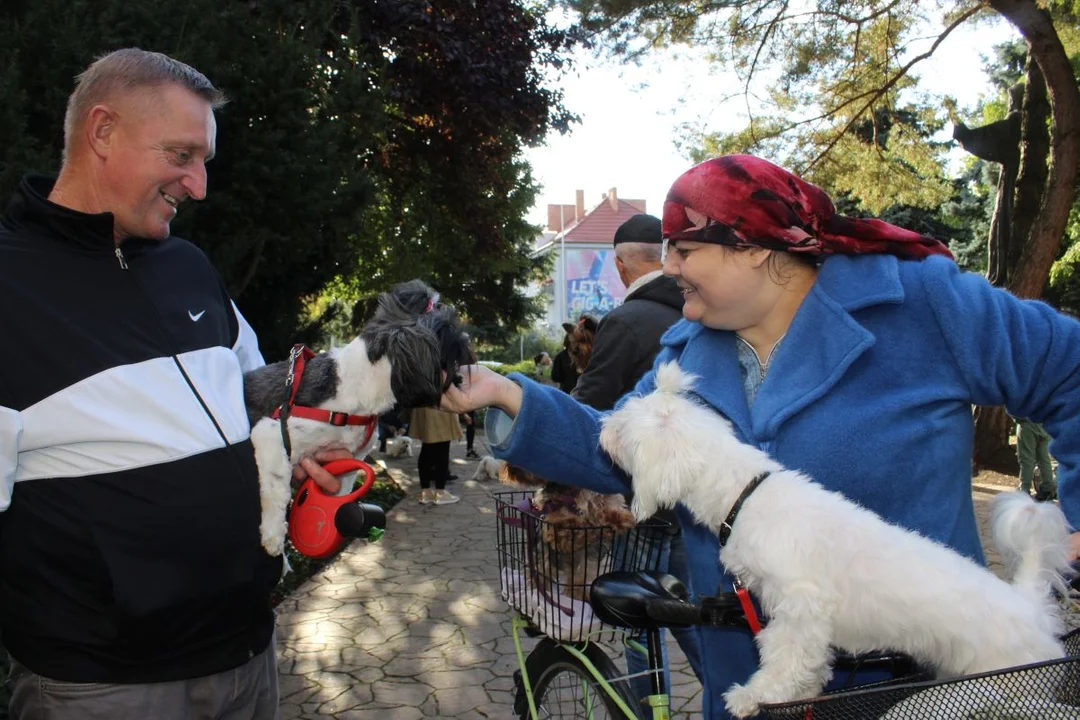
x: 660, y: 704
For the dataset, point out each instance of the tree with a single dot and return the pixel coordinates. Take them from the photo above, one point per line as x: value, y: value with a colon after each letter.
x: 365, y: 142
x: 841, y: 106
x: 465, y: 95
x: 845, y: 66
x: 1063, y: 291
x: 998, y: 142
x: 1018, y: 144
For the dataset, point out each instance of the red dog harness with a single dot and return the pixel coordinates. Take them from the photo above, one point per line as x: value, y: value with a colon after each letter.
x: 298, y: 357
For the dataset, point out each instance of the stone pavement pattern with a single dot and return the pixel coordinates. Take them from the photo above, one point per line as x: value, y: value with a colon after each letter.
x: 414, y: 626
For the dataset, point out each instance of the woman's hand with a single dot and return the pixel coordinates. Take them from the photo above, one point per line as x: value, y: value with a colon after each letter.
x: 482, y: 387
x: 311, y: 467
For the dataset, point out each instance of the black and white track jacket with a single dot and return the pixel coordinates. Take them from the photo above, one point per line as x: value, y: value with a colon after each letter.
x: 129, y: 531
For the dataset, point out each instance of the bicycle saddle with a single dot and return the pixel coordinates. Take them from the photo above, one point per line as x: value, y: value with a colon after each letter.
x: 619, y: 598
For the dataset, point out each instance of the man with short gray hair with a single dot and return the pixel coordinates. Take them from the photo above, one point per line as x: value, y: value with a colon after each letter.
x: 132, y: 581
x: 628, y: 338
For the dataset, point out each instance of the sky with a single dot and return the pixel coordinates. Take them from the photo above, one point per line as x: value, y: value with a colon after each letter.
x: 630, y: 116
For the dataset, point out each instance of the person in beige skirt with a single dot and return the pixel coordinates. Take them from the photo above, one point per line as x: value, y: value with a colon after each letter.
x: 435, y: 430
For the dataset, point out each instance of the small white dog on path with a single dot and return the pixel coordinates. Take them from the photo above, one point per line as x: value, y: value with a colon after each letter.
x: 829, y: 573
x: 399, y: 445
x: 488, y: 468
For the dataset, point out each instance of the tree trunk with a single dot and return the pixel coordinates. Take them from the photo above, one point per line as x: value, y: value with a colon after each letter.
x: 999, y: 242
x: 1044, y: 241
x: 1047, y: 227
x: 1034, y: 149
x: 992, y: 450
x: 998, y: 142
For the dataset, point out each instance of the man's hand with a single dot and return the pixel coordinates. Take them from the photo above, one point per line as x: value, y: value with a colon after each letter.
x: 1074, y: 546
x: 311, y: 467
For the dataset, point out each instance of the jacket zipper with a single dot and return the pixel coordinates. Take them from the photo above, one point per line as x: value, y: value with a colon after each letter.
x: 229, y: 447
x: 172, y: 352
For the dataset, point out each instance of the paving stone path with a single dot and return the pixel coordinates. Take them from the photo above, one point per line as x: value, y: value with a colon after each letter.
x: 414, y: 626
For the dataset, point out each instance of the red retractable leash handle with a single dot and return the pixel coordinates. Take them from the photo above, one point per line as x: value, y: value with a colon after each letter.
x: 320, y: 524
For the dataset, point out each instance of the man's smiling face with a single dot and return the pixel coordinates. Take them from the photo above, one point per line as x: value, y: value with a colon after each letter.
x: 163, y: 140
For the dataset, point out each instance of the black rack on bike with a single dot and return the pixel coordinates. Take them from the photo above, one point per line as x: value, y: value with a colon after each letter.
x: 1045, y: 691
x: 546, y: 570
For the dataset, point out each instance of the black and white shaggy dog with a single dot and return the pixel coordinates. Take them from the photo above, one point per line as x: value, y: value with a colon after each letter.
x: 407, y: 355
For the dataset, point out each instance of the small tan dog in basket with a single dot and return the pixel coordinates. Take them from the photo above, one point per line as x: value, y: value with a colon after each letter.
x: 577, y: 530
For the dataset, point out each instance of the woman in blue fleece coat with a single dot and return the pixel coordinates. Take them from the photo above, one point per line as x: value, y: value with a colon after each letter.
x: 850, y: 350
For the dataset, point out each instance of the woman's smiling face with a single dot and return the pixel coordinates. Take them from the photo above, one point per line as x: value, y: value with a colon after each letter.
x: 724, y: 288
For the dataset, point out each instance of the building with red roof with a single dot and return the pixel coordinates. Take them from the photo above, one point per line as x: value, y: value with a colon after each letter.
x: 584, y: 278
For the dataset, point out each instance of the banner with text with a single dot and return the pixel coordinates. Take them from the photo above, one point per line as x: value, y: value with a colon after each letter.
x: 592, y: 283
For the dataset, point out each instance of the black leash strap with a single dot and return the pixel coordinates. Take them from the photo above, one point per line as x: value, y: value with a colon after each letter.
x: 284, y: 423
x: 729, y: 522
x: 297, y: 360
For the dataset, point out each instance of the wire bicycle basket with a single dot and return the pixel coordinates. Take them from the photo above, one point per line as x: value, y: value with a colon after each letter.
x: 546, y: 570
x: 1041, y: 691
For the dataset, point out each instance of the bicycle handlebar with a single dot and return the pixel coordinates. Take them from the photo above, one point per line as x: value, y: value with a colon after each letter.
x: 721, y: 611
x: 674, y: 612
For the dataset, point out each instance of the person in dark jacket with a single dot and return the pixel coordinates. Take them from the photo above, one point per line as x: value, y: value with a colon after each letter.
x: 626, y: 343
x: 563, y: 371
x: 132, y: 582
x: 628, y: 338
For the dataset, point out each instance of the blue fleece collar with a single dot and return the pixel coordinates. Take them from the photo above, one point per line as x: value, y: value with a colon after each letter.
x: 824, y: 340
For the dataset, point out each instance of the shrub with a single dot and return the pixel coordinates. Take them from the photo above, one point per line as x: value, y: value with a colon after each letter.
x: 525, y: 367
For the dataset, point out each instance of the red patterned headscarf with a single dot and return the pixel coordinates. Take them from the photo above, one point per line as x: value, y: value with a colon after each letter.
x: 744, y: 201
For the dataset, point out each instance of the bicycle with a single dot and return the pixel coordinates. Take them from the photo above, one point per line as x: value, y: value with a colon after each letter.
x: 547, y: 584
x: 569, y: 669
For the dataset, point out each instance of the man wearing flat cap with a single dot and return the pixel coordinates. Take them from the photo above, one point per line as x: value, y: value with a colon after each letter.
x: 628, y: 338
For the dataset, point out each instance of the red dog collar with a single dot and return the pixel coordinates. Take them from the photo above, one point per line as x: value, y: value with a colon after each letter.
x: 298, y: 357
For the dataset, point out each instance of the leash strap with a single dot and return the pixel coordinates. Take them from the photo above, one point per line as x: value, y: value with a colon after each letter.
x: 729, y: 521
x: 748, y: 606
x: 725, y: 532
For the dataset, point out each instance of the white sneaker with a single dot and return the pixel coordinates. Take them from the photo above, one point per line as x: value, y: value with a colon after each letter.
x: 426, y: 497
x: 444, y: 498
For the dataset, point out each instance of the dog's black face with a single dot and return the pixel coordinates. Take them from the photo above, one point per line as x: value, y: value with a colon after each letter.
x: 423, y: 341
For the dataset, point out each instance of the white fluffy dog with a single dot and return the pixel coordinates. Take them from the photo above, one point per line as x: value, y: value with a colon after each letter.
x: 408, y: 355
x: 488, y: 468
x: 829, y: 573
x: 399, y: 445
